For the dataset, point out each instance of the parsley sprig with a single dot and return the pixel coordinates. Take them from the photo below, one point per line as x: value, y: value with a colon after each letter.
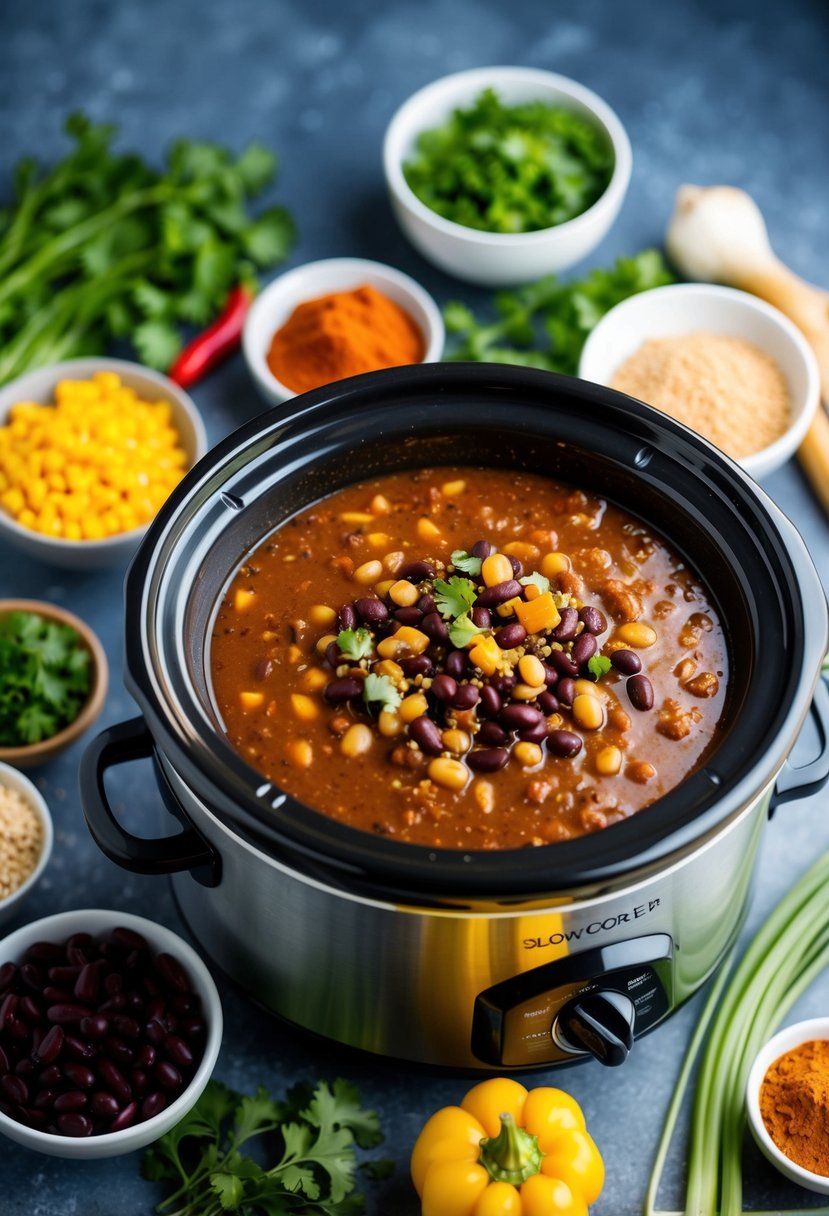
x: 355, y: 644
x: 44, y: 677
x: 466, y: 563
x: 315, y: 1160
x: 454, y: 597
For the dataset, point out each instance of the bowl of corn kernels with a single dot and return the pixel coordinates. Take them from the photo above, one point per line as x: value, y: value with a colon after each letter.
x: 89, y: 450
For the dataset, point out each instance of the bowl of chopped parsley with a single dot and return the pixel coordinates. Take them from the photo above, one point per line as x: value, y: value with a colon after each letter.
x: 53, y: 680
x: 499, y: 175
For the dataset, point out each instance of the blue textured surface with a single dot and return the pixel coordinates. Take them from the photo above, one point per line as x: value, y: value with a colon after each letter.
x: 710, y: 92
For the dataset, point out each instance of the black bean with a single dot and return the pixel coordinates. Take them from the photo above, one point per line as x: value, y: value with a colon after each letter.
x: 408, y: 616
x: 103, y: 1103
x: 456, y: 663
x: 535, y: 734
x: 74, y: 1124
x: 116, y: 1002
x: 481, y: 617
x: 491, y: 734
x: 563, y: 664
x: 262, y: 670
x: 490, y: 702
x: 520, y: 717
x: 347, y: 617
x: 435, y: 627
x: 510, y: 636
x: 517, y: 566
x: 346, y: 688
x: 487, y: 759
x: 640, y: 692
x: 194, y: 1028
x: 79, y: 955
x: 18, y: 1029
x: 482, y: 548
x: 593, y: 620
x: 466, y: 697
x: 563, y: 743
x: 426, y: 735
x: 153, y: 1105
x: 547, y: 703
x: 444, y: 687
x: 626, y: 661
x: 416, y: 572
x: 56, y: 995
x: 191, y: 1003
x: 566, y: 690
x: 499, y: 594
x: 565, y: 630
x: 584, y: 647
x: 427, y: 604
x: 371, y: 610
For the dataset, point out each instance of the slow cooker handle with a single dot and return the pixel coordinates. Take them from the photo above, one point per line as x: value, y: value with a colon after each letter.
x: 166, y: 855
x: 808, y: 778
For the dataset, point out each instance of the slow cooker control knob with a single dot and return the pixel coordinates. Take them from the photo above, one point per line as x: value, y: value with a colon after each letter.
x: 600, y: 1023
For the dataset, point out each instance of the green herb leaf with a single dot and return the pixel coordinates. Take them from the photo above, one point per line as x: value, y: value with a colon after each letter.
x: 599, y: 665
x: 355, y: 644
x: 535, y: 580
x: 465, y: 562
x: 378, y: 1170
x: 157, y: 343
x: 462, y: 631
x: 455, y: 597
x: 256, y: 168
x: 379, y: 692
x: 44, y: 677
x: 270, y: 238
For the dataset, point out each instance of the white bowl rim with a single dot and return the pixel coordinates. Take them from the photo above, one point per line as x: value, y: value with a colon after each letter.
x: 568, y: 88
x: 284, y: 283
x: 103, y: 363
x: 12, y: 778
x: 776, y: 452
x: 160, y: 938
x: 779, y: 1044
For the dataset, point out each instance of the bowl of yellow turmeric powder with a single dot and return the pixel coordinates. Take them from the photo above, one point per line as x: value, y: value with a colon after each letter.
x: 335, y: 318
x: 89, y: 451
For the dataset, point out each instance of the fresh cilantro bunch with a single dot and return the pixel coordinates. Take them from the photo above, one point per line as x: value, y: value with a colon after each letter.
x: 510, y: 168
x: 103, y: 247
x: 546, y: 324
x: 45, y: 678
x: 311, y: 1136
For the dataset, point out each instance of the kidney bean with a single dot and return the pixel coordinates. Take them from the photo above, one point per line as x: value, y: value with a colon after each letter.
x: 510, y: 636
x: 24, y: 1068
x: 416, y: 572
x: 83, y: 940
x: 491, y: 734
x: 435, y: 627
x: 4, y: 1062
x: 103, y: 1103
x: 115, y: 1003
x: 490, y: 702
x: 499, y: 594
x: 44, y: 1099
x: 126, y: 1117
x: 8, y: 971
x: 74, y: 1124
x: 191, y: 1003
x: 194, y: 1028
x: 466, y: 697
x: 408, y: 616
x: 626, y: 661
x: 482, y: 548
x: 50, y: 1076
x: 487, y: 759
x: 347, y: 617
x: 113, y: 1079
x: 534, y: 734
x: 178, y: 1050
x: 550, y: 675
x: 346, y: 688
x: 95, y: 1027
x: 156, y: 1009
x: 503, y: 684
x: 18, y: 1029
x: 565, y: 630
x: 426, y: 735
x: 139, y: 1081
x: 153, y: 1105
x: 14, y: 1088
x: 7, y: 1009
x: 262, y: 670
x: 371, y: 610
x: 145, y: 1057
x: 332, y: 655
x: 563, y: 664
x: 88, y: 984
x: 56, y: 996
x: 73, y: 1099
x: 78, y: 955
x: 517, y: 566
x: 128, y: 938
x: 584, y: 647
x: 426, y: 604
x: 455, y: 663
x: 564, y: 743
x: 79, y: 1074
x: 547, y: 703
x: 168, y: 1076
x: 119, y: 1051
x: 155, y: 1030
x: 113, y: 983
x: 63, y: 977
x: 32, y: 976
x: 520, y: 717
x: 65, y: 1013
x: 444, y: 687
x: 593, y: 620
x: 419, y: 665
x: 30, y: 1010
x: 38, y: 1035
x: 566, y: 691
x: 481, y: 617
x: 78, y: 1049
x: 44, y: 952
x: 640, y: 692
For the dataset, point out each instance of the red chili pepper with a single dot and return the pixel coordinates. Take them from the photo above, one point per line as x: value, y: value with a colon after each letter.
x: 214, y: 343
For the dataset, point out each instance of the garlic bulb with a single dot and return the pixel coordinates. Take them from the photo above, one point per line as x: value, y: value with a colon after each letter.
x: 717, y: 235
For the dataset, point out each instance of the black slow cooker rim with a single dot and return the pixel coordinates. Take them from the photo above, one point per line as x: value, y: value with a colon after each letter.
x: 218, y: 775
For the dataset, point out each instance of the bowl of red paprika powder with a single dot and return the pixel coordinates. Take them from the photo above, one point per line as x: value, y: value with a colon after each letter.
x: 787, y: 1100
x: 335, y: 318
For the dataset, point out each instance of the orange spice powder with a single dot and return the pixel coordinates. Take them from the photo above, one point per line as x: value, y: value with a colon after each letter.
x: 343, y: 334
x: 794, y: 1103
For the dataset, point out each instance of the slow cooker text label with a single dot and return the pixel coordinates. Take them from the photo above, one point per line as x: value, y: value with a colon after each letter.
x: 595, y: 926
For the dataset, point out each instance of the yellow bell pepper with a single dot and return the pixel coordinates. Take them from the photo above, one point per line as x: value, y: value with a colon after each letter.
x: 507, y: 1152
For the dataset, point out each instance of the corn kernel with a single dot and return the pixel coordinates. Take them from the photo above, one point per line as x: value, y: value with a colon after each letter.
x: 608, y: 761
x: 324, y: 642
x: 394, y: 560
x: 314, y: 679
x: 404, y: 593
x: 243, y: 599
x: 380, y: 505
x: 384, y: 587
x: 412, y: 707
x: 356, y: 517
x: 378, y: 540
x: 457, y: 741
x: 451, y: 774
x: 554, y: 563
x: 528, y: 755
x: 389, y: 724
x: 526, y: 692
x: 451, y: 489
x: 636, y: 634
x: 300, y: 753
x: 388, y: 667
x: 587, y: 711
x: 484, y: 792
x: 406, y: 642
x: 523, y: 550
x: 305, y: 708
x: 495, y: 569
x: 356, y: 741
x: 427, y: 530
x: 368, y: 573
x: 251, y: 700
x: 322, y: 616
x: 531, y: 669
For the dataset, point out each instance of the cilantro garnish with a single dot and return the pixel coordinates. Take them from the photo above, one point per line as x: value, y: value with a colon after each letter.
x: 44, y: 677
x: 379, y: 691
x: 462, y: 631
x: 355, y: 644
x: 466, y: 563
x: 454, y: 597
x: 535, y: 580
x: 598, y: 666
x: 311, y: 1140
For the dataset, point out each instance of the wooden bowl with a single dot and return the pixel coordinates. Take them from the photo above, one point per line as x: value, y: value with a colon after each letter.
x: 30, y: 754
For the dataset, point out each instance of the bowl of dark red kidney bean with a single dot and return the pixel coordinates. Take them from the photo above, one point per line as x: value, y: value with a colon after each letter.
x: 110, y: 1026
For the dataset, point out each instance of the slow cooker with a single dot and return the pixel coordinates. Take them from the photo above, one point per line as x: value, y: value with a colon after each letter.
x: 511, y: 959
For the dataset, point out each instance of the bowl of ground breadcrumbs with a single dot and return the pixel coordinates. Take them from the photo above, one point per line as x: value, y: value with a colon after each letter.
x: 25, y: 839
x: 728, y: 365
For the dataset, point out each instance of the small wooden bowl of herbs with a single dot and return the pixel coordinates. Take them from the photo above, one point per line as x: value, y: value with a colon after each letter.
x: 53, y: 680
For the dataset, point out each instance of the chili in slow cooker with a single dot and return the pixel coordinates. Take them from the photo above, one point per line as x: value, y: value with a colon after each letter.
x: 469, y: 658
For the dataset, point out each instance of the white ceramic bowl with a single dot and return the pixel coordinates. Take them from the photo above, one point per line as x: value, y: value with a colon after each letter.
x: 14, y: 780
x: 497, y: 259
x: 684, y: 308
x: 39, y: 386
x: 785, y: 1040
x: 99, y: 923
x: 273, y: 306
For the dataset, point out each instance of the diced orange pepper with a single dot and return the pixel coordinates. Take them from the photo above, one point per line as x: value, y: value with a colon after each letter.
x: 486, y: 654
x: 539, y: 614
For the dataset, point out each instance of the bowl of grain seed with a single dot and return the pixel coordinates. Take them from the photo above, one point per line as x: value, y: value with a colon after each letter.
x: 728, y: 365
x: 26, y: 838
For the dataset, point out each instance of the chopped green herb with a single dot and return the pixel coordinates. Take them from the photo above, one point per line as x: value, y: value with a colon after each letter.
x: 535, y: 580
x: 454, y: 597
x: 546, y: 324
x: 462, y: 631
x: 379, y: 691
x: 512, y: 168
x: 464, y: 561
x: 355, y: 644
x: 598, y: 666
x: 45, y: 677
